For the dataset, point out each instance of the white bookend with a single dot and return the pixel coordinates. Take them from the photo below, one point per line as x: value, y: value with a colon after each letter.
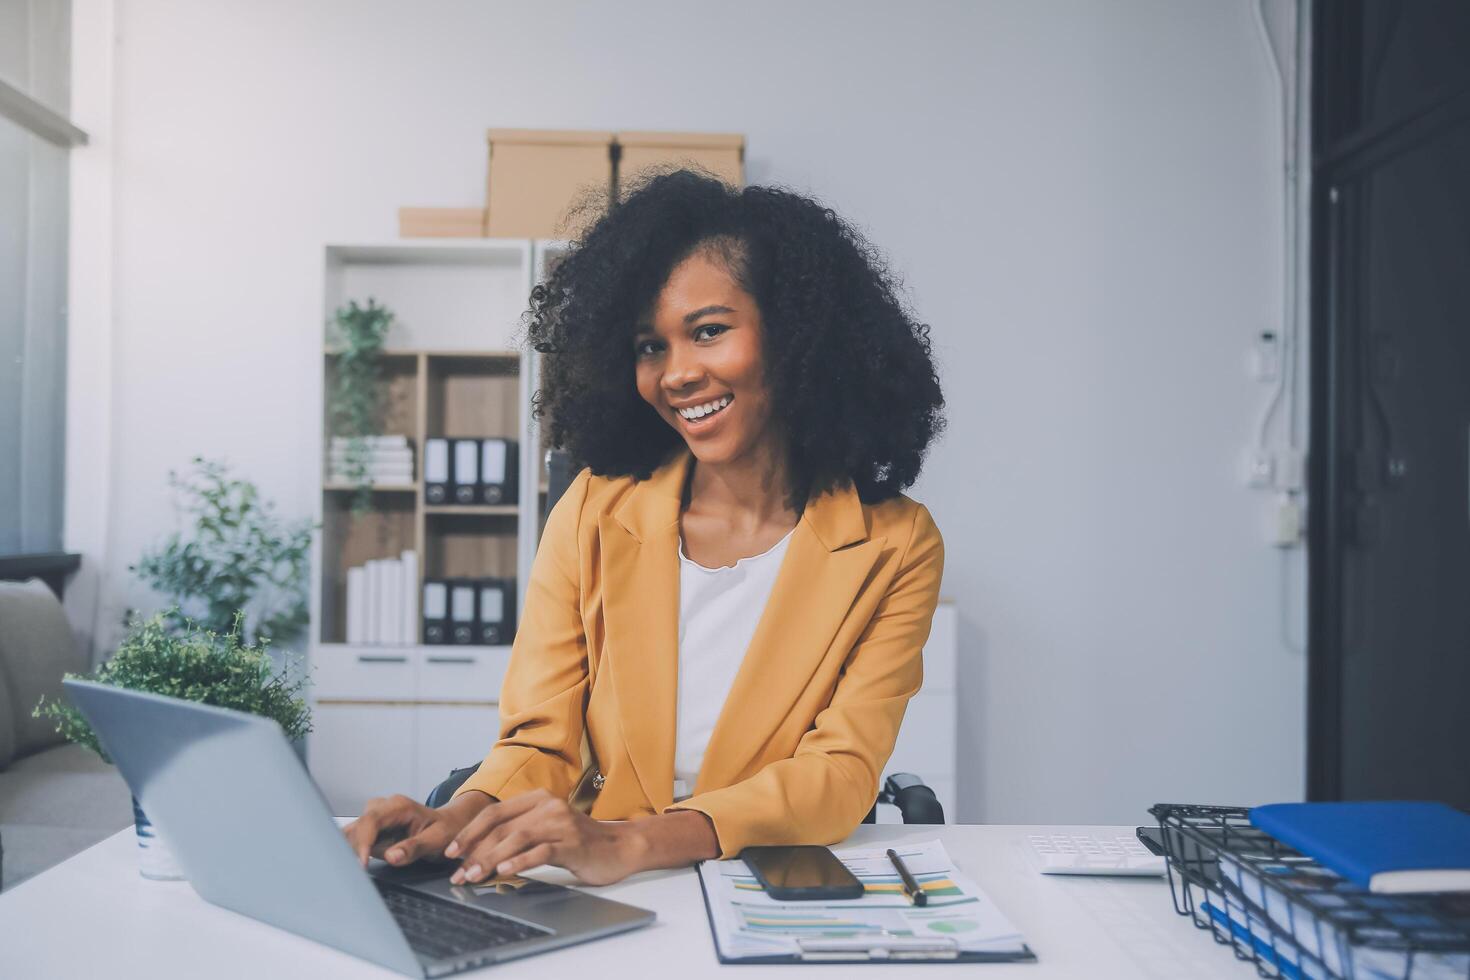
x: 410, y: 593
x: 356, y: 604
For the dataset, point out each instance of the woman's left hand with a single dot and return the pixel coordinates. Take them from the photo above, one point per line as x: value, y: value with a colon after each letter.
x: 538, y: 828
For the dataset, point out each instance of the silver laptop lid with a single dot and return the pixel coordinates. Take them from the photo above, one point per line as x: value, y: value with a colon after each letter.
x: 244, y: 819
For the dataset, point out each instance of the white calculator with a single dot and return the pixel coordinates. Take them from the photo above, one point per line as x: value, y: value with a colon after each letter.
x: 1086, y: 854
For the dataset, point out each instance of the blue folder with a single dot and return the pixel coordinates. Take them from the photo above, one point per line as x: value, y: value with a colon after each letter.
x: 1394, y: 847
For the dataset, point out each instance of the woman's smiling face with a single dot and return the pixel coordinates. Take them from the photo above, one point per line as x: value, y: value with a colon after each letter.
x: 699, y: 361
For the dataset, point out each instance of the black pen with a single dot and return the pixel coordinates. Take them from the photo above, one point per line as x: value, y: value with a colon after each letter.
x: 910, y: 885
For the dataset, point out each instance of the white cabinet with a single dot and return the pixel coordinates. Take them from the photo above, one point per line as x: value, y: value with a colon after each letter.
x: 461, y: 673
x: 363, y: 673
x: 451, y: 736
x: 398, y: 720
x: 358, y: 751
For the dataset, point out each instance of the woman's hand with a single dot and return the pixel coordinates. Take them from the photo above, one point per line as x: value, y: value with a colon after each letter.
x: 400, y: 830
x: 538, y: 828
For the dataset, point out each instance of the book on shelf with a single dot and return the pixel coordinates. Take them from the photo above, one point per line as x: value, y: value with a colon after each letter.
x: 374, y: 463
x: 436, y: 612
x: 371, y: 466
x: 499, y: 471
x: 495, y: 611
x: 356, y: 605
x: 462, y: 612
x: 371, y: 593
x: 409, y: 618
x: 370, y: 462
x: 383, y: 601
x: 372, y: 479
x: 391, y: 607
x: 372, y: 442
x: 436, y: 471
x: 465, y: 473
x: 397, y: 454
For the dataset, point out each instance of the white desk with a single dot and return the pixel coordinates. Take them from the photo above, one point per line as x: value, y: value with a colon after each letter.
x: 95, y: 916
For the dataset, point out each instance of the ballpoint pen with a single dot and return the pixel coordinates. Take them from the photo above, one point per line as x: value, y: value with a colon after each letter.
x: 911, y: 886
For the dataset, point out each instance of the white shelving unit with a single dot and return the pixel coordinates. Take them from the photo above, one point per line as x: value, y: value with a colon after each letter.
x: 398, y: 718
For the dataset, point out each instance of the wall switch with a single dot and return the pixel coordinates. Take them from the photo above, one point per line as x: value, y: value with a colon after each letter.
x: 1265, y: 356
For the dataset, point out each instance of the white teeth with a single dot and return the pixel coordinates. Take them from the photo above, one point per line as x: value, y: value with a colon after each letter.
x: 700, y: 411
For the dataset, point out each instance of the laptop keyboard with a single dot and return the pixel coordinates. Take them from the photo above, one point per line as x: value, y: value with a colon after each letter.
x: 442, y: 929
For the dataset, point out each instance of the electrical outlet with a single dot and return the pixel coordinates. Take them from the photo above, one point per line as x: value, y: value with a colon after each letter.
x: 1287, y: 528
x: 1260, y: 467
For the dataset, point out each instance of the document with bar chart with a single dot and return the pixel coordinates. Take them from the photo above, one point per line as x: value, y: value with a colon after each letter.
x: 959, y: 922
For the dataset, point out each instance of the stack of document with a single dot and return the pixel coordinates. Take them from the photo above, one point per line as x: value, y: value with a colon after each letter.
x: 1294, y: 919
x: 383, y: 601
x: 385, y: 459
x: 960, y: 922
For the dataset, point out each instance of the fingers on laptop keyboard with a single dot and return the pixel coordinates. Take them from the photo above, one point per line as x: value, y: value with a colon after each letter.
x: 360, y: 834
x: 382, y: 824
x: 427, y: 843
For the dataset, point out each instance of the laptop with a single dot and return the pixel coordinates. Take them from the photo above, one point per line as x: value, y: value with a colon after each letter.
x: 253, y: 834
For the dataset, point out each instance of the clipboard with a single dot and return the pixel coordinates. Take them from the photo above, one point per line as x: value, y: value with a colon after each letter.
x: 886, y: 948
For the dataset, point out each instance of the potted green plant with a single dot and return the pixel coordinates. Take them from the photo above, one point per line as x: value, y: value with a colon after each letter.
x: 355, y: 399
x: 239, y: 564
x: 197, y: 665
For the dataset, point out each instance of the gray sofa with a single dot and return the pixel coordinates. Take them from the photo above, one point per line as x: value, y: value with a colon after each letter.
x: 56, y: 799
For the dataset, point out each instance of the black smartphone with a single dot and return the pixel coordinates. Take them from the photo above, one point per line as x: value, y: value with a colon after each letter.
x: 1152, y: 839
x: 803, y: 873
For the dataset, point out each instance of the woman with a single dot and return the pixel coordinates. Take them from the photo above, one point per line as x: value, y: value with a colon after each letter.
x: 725, y: 616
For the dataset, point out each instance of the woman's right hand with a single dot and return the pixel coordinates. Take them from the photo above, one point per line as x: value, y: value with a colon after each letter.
x: 400, y: 830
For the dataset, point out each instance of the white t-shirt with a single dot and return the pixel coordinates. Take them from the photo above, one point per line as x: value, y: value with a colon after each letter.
x: 719, y: 609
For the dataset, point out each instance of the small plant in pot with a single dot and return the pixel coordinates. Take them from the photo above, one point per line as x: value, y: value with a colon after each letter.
x: 196, y: 665
x: 238, y: 568
x: 355, y: 396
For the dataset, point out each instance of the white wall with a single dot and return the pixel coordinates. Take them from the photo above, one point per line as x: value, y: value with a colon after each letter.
x: 89, y: 368
x: 1082, y: 196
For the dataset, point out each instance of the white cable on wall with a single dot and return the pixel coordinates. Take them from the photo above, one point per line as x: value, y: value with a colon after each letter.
x: 1294, y: 299
x: 1302, y: 204
x: 1301, y: 313
x: 1284, y: 386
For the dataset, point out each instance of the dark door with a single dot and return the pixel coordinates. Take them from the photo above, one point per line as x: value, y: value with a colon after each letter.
x: 1390, y: 533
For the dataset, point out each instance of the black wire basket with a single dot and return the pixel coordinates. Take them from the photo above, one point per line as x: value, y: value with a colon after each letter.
x: 1293, y: 918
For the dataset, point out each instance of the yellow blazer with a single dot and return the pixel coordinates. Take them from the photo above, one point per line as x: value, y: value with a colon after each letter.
x: 799, y: 748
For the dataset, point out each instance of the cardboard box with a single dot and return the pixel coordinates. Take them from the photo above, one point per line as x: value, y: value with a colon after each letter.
x: 441, y: 222
x: 536, y: 175
x: 722, y: 154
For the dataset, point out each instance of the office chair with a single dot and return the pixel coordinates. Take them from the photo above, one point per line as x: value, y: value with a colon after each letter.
x: 915, y: 801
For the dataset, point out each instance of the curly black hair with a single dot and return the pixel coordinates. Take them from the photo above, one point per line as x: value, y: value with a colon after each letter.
x: 850, y: 371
